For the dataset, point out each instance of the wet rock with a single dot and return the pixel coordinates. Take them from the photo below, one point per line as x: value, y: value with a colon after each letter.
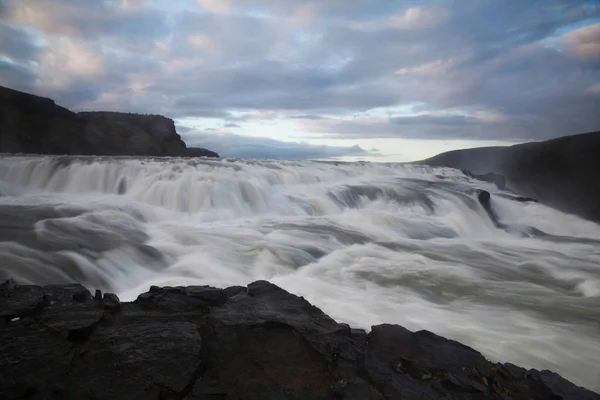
x: 212, y: 296
x: 145, y: 298
x: 358, y: 334
x: 21, y: 301
x: 154, y: 289
x: 82, y: 296
x: 426, y: 350
x: 83, y: 328
x: 111, y: 302
x: 7, y: 287
x: 484, y: 198
x: 555, y: 386
x: 520, y: 199
x: 171, y: 344
x: 460, y: 381
x: 263, y: 287
x: 344, y: 330
x: 511, y: 371
x: 234, y: 290
x: 171, y: 289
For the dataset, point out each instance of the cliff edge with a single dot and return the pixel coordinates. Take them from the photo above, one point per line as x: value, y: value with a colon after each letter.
x: 561, y: 173
x: 254, y: 342
x: 36, y: 125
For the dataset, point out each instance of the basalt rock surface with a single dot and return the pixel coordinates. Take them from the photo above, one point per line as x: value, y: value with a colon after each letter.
x: 254, y: 342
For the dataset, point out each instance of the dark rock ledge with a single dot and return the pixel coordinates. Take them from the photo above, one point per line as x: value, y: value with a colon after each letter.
x: 255, y: 342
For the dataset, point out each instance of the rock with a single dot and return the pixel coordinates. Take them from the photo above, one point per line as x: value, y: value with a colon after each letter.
x: 269, y: 344
x: 82, y: 296
x: 82, y: 328
x: 556, y: 386
x: 358, y: 334
x: 484, y: 198
x: 98, y: 295
x: 145, y: 298
x: 511, y: 371
x: 21, y: 301
x: 212, y: 296
x: 234, y: 290
x: 556, y: 172
x: 36, y: 125
x: 111, y: 302
x: 520, y: 199
x: 154, y: 289
x: 198, y: 152
x: 262, y: 287
x: 7, y: 287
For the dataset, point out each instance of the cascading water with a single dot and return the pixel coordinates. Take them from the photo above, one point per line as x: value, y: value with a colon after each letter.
x: 367, y: 243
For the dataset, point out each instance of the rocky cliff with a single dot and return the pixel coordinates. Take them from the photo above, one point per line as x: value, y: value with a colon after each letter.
x: 254, y: 342
x: 36, y: 125
x: 561, y: 172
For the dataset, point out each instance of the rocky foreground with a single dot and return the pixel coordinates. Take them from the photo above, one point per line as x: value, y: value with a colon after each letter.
x: 255, y: 342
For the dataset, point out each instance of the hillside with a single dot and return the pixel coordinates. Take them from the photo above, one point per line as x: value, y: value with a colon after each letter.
x: 37, y: 125
x: 560, y: 172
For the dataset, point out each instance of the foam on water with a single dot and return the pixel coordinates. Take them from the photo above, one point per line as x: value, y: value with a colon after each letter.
x: 367, y: 243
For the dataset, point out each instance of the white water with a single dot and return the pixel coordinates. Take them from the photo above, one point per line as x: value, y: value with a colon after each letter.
x: 367, y: 243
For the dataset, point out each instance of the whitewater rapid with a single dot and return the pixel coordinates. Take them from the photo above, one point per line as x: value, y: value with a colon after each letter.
x: 368, y: 243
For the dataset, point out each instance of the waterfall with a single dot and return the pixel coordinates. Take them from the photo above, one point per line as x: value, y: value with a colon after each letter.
x: 366, y: 242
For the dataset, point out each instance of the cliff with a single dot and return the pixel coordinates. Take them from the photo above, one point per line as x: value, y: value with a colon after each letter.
x: 36, y: 125
x: 254, y: 342
x: 560, y: 172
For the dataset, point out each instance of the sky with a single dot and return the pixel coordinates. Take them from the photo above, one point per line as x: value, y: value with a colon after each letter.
x: 380, y: 80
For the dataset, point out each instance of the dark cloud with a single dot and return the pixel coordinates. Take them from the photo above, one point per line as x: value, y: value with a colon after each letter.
x: 238, y: 146
x: 231, y: 125
x: 472, y: 69
x: 16, y: 76
x: 17, y: 44
x: 427, y: 119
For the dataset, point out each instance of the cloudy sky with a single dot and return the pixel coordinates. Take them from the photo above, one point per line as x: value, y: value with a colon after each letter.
x: 401, y: 79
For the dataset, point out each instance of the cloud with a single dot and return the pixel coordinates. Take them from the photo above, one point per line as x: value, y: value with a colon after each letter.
x: 16, y: 76
x: 419, y: 18
x: 231, y: 125
x: 238, y: 146
x: 340, y: 68
x: 18, y: 44
x: 216, y: 6
x: 130, y: 24
x: 585, y: 42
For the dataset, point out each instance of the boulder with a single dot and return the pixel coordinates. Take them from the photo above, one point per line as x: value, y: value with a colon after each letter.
x: 259, y: 342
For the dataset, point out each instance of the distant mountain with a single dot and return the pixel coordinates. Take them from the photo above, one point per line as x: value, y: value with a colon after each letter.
x: 36, y: 125
x: 563, y: 173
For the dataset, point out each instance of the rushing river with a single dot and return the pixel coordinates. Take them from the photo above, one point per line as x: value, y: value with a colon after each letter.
x: 367, y: 243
